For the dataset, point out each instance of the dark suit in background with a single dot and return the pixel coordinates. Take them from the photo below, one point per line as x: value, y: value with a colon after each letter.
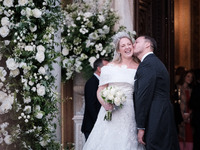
x: 92, y: 105
x: 153, y: 108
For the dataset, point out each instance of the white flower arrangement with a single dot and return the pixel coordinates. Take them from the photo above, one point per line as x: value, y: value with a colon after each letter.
x: 28, y: 102
x: 86, y: 36
x: 113, y: 95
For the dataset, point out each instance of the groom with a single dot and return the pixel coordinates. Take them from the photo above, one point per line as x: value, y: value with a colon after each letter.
x: 153, y: 109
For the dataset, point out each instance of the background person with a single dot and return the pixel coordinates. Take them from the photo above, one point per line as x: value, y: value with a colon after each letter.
x: 185, y: 86
x: 92, y: 105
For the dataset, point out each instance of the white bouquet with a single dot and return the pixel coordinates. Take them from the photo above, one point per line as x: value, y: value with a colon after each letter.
x: 115, y: 96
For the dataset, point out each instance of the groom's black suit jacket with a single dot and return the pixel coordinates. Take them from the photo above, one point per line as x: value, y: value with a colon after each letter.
x: 153, y: 109
x: 92, y: 105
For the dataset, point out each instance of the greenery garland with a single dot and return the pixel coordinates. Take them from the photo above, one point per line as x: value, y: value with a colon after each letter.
x: 28, y: 101
x: 86, y: 35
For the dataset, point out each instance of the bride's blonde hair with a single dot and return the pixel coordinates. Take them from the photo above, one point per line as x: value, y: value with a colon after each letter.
x: 116, y: 40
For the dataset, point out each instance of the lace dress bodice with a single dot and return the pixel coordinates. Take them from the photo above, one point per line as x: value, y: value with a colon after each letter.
x: 120, y: 133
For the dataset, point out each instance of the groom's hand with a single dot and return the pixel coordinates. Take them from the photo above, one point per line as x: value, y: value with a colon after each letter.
x: 141, y: 136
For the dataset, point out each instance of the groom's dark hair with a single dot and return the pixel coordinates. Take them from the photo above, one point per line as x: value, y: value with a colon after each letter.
x: 152, y: 42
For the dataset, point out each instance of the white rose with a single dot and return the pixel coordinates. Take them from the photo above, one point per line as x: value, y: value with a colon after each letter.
x: 23, y: 65
x: 5, y: 107
x: 106, y: 29
x: 30, y: 83
x: 65, y: 51
x: 8, y: 139
x: 117, y: 101
x: 33, y: 89
x: 3, y: 72
x: 92, y: 60
x: 41, y: 90
x: 4, y: 31
x: 14, y: 73
x: 43, y: 143
x: 7, y: 42
x: 39, y: 114
x: 119, y: 94
x: 28, y: 12
x: 8, y: 3
x: 22, y: 2
x: 33, y: 28
x: 88, y: 14
x: 11, y: 64
x: 5, y: 21
x: 110, y: 97
x: 40, y: 48
x: 40, y: 56
x: 42, y: 70
x: 27, y: 109
x: 37, y: 13
x: 101, y: 18
x: 37, y: 107
x: 23, y: 12
x: 27, y: 100
x: 10, y: 99
x: 29, y: 48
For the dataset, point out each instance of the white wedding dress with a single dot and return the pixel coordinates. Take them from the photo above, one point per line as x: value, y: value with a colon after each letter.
x: 120, y: 133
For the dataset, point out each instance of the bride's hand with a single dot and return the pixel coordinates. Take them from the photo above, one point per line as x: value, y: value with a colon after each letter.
x: 108, y: 106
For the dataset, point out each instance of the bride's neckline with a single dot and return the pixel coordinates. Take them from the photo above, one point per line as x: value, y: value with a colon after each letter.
x: 121, y: 66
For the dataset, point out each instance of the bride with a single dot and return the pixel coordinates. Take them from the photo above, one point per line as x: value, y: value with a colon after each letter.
x: 120, y: 133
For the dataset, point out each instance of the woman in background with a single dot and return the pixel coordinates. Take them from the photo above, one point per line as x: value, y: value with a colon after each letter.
x: 185, y: 85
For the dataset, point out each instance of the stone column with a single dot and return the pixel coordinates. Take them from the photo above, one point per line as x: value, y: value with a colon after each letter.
x: 78, y: 99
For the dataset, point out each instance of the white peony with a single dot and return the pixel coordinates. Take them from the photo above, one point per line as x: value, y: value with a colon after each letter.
x: 11, y: 64
x: 5, y: 21
x: 8, y: 3
x: 22, y: 2
x: 40, y: 56
x: 4, y: 31
x: 37, y: 13
x: 41, y: 90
